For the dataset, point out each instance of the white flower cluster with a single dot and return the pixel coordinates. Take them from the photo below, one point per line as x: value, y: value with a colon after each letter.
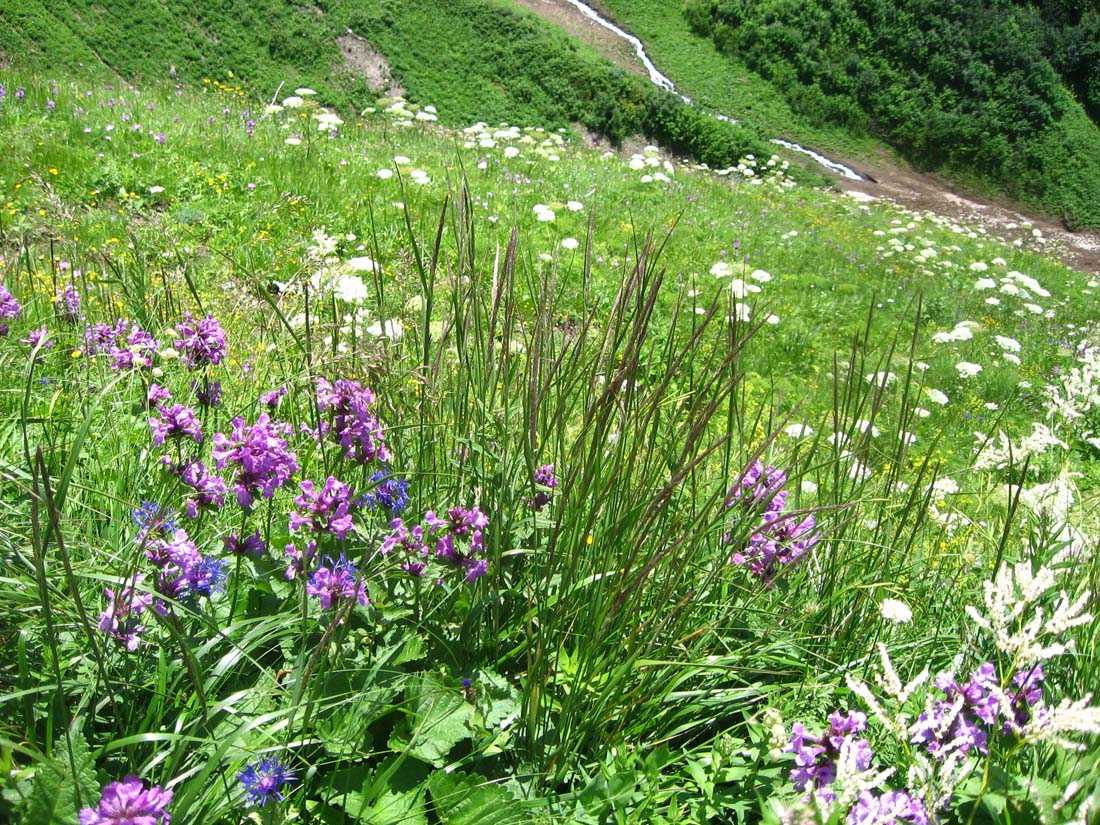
x: 1077, y: 396
x: 997, y: 453
x: 1016, y: 620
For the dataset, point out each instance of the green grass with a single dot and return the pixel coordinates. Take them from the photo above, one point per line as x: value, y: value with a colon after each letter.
x: 621, y: 667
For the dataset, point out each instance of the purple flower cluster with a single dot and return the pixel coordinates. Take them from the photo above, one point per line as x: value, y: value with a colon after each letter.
x: 38, y: 339
x: 129, y: 346
x: 351, y: 423
x: 121, y: 619
x: 778, y: 541
x: 10, y: 309
x: 410, y: 540
x: 890, y: 807
x: 175, y: 421
x: 67, y: 305
x: 260, y: 455
x: 251, y: 545
x: 324, y: 510
x: 208, y: 490
x: 468, y: 525
x: 208, y: 393
x: 201, y: 342
x: 966, y: 714
x: 816, y: 757
x: 389, y: 493
x: 265, y: 779
x: 129, y: 803
x: 336, y: 580
x: 182, y: 571
x: 545, y: 482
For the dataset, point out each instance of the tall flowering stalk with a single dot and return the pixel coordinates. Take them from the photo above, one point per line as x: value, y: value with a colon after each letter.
x: 778, y: 541
x: 259, y: 455
x: 349, y: 420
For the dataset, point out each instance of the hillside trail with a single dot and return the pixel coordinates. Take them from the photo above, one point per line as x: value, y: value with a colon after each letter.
x: 885, y: 178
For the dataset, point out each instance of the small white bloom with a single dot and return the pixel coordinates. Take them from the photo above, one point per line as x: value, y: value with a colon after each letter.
x: 570, y: 243
x: 968, y: 369
x: 385, y: 174
x: 798, y: 430
x: 894, y: 611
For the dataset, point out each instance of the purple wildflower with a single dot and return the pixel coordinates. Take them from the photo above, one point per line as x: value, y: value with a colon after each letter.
x: 335, y: 581
x: 209, y: 490
x: 128, y: 803
x: 157, y: 394
x: 138, y: 350
x: 460, y: 523
x: 960, y: 720
x: 260, y: 453
x: 201, y: 342
x: 10, y: 309
x: 892, y: 807
x: 271, y: 399
x: 264, y: 780
x: 301, y: 561
x: 816, y: 756
x: 351, y: 422
x: 208, y: 393
x: 38, y: 339
x: 177, y: 421
x: 389, y: 493
x: 1029, y: 692
x: 252, y: 545
x: 120, y: 619
x: 324, y: 510
x: 546, y: 481
x: 411, y: 540
x: 67, y: 304
x: 20, y: 93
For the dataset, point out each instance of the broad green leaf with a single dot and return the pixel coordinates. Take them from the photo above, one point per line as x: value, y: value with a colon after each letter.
x: 53, y: 798
x: 440, y: 719
x: 469, y: 799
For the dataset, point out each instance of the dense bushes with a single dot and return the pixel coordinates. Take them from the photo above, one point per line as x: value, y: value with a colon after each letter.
x: 965, y: 87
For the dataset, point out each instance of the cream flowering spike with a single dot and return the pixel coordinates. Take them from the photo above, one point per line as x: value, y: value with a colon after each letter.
x: 1016, y: 622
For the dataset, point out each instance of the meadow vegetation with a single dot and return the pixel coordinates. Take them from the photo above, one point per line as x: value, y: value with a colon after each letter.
x: 365, y: 470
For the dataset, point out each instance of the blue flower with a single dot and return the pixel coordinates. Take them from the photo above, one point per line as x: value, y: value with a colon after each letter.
x: 263, y: 780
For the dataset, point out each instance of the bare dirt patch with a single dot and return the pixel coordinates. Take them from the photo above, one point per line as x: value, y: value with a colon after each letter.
x: 889, y: 179
x: 361, y: 58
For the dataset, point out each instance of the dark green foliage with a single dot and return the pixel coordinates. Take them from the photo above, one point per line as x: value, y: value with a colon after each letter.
x: 971, y: 88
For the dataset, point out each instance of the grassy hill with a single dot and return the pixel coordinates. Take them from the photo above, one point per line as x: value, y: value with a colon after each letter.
x: 364, y: 469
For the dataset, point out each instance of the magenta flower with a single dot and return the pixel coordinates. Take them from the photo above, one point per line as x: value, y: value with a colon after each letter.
x: 129, y: 803
x: 177, y: 421
x: 120, y: 619
x: 815, y: 757
x: 468, y: 525
x: 260, y: 454
x: 201, y: 342
x: 350, y: 420
x: 335, y: 581
x: 324, y: 510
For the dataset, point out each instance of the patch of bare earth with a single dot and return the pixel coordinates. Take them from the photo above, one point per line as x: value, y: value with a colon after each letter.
x: 361, y: 58
x: 887, y: 179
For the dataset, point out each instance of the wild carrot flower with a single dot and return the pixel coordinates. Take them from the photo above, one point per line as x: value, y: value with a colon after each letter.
x: 265, y: 779
x: 129, y: 803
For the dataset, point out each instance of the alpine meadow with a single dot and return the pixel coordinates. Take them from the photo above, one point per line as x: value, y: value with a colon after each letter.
x: 477, y: 412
